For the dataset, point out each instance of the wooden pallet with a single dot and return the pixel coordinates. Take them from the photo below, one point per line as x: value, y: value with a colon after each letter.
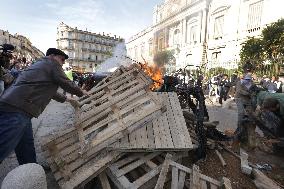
x: 138, y: 170
x: 116, y: 107
x: 70, y: 168
x: 168, y: 132
x: 196, y: 179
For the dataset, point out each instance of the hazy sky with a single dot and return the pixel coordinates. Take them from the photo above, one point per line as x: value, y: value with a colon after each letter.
x: 38, y: 19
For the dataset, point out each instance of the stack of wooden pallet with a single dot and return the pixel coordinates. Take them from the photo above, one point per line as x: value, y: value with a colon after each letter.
x: 121, y: 103
x: 122, y: 131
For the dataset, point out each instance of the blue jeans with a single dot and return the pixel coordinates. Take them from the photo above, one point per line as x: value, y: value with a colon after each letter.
x: 1, y: 86
x: 16, y: 134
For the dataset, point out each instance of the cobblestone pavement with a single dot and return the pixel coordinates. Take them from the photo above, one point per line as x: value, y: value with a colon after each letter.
x: 59, y: 115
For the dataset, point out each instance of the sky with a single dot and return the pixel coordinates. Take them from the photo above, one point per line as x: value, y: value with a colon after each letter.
x: 38, y: 19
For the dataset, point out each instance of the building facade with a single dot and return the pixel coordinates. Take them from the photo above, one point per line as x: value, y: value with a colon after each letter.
x: 86, y: 50
x: 23, y: 46
x: 203, y: 32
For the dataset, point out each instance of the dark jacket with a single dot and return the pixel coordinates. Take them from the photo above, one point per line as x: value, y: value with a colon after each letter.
x: 243, y: 93
x: 37, y: 85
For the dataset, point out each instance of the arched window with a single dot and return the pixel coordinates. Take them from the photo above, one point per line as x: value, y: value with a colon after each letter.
x: 176, y: 37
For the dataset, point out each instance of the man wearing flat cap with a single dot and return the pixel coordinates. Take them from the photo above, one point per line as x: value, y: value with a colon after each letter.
x: 27, y: 98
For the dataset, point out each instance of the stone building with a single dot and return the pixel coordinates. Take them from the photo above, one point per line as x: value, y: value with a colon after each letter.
x: 86, y: 50
x: 203, y: 32
x: 23, y: 46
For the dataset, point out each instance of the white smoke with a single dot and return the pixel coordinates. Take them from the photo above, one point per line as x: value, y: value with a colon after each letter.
x: 118, y: 59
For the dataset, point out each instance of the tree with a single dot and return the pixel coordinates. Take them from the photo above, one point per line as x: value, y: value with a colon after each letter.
x: 253, y: 51
x: 268, y: 48
x: 273, y: 40
x: 164, y: 57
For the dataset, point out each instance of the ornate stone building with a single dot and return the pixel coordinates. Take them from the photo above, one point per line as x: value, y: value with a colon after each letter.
x: 23, y: 46
x: 86, y: 50
x: 208, y: 32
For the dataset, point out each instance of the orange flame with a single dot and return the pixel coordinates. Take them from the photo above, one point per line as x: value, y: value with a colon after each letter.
x: 155, y: 73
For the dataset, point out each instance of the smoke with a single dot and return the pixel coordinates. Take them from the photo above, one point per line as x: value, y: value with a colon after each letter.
x: 116, y: 60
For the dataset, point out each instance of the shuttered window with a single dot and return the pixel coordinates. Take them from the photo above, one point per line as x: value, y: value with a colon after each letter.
x: 218, y: 27
x: 193, y: 34
x: 254, y: 16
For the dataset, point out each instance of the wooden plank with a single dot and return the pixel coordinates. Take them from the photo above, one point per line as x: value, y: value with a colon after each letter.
x: 226, y: 183
x: 175, y: 179
x: 194, y: 177
x: 246, y: 169
x: 181, y: 179
x: 120, y: 182
x: 172, y: 123
x: 145, y: 181
x: 150, y: 135
x: 213, y: 186
x: 167, y: 133
x: 104, y: 181
x: 88, y: 172
x: 188, y: 170
x: 203, y: 184
x: 220, y: 158
x: 183, y: 127
x: 136, y: 164
x: 163, y: 173
x: 157, y: 134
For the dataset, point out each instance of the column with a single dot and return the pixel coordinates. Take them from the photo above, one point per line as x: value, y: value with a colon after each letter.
x: 184, y: 31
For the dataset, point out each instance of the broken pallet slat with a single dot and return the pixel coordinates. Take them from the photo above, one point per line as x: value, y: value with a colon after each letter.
x: 194, y: 177
x: 221, y: 158
x: 163, y: 173
x: 181, y: 179
x: 151, y: 163
x: 197, y: 180
x: 245, y: 168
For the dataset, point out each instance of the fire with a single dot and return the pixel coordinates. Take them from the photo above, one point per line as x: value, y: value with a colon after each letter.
x: 155, y: 73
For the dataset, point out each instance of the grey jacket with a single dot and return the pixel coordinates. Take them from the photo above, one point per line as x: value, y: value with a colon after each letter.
x: 37, y: 85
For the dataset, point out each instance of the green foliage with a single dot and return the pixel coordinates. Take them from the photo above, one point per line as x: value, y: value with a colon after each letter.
x: 164, y: 57
x: 273, y: 40
x: 220, y: 70
x: 252, y: 49
x: 268, y: 48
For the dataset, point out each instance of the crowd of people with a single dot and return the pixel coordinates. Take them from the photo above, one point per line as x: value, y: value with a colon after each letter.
x: 259, y: 100
x: 222, y: 86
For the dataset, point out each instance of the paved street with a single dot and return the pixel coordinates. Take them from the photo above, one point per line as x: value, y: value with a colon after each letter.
x: 56, y: 115
x: 60, y: 115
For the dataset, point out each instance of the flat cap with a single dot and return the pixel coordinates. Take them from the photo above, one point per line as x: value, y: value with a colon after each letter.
x: 55, y: 51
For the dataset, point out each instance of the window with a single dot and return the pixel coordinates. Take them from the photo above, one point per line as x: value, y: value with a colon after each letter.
x: 70, y: 35
x: 218, y: 27
x: 216, y: 59
x: 254, y: 16
x: 161, y: 43
x: 71, y: 55
x: 90, y: 65
x: 70, y: 44
x: 193, y: 34
x: 176, y: 37
x: 135, y: 52
x: 150, y: 47
x: 142, y: 48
